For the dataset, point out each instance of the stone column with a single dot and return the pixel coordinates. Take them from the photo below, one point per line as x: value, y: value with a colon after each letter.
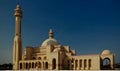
x: 74, y: 65
x: 82, y: 68
x: 56, y: 66
x: 70, y: 64
x: 43, y: 65
x: 31, y: 65
x: 78, y: 65
x: 112, y: 65
x: 25, y: 65
x: 50, y: 66
x: 87, y: 65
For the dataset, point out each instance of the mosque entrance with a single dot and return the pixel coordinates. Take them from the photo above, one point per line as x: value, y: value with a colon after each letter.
x: 106, y: 65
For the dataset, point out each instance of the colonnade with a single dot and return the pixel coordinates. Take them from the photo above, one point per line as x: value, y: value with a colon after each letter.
x: 33, y: 64
x: 75, y: 64
x: 82, y: 64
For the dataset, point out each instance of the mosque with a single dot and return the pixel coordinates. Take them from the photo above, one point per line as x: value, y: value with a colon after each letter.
x: 51, y: 55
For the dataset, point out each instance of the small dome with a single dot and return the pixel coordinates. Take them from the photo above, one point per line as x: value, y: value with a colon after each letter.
x: 56, y: 49
x: 50, y: 41
x: 105, y: 52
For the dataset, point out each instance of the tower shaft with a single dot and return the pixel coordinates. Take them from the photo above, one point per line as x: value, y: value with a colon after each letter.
x: 18, y: 26
x: 17, y: 48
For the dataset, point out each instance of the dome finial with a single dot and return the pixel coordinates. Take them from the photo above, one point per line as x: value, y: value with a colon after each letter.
x: 51, y: 34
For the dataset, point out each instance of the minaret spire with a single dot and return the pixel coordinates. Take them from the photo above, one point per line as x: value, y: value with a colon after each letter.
x: 17, y: 49
x: 51, y: 34
x: 18, y: 16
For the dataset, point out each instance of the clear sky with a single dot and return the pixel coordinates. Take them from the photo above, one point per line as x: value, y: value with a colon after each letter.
x: 89, y: 26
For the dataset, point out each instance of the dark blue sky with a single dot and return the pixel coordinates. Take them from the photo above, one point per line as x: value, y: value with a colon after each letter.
x: 89, y: 26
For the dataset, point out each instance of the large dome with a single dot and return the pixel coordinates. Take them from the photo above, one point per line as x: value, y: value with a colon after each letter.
x: 106, y: 52
x: 50, y: 41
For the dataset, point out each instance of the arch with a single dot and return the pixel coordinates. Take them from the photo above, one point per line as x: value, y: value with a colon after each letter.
x: 39, y: 58
x: 106, y: 61
x: 45, y: 58
x: 32, y: 64
x: 106, y: 64
x: 68, y: 64
x: 63, y: 64
x: 24, y: 58
x: 89, y: 62
x: 36, y: 64
x: 85, y: 63
x: 39, y: 64
x: 29, y: 65
x: 26, y: 65
x: 72, y: 61
x: 20, y: 65
x: 80, y: 62
x: 54, y: 63
x: 33, y: 58
x: 46, y: 65
x: 76, y: 64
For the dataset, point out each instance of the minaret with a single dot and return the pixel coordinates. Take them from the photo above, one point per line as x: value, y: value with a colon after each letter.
x: 51, y: 34
x: 17, y: 48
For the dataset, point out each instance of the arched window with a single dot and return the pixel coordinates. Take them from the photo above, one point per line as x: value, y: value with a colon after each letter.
x: 45, y: 58
x: 32, y: 65
x: 68, y: 64
x: 46, y: 65
x: 29, y: 65
x: 40, y: 65
x: 76, y: 63
x: 89, y: 62
x: 36, y: 64
x: 54, y: 63
x: 80, y: 62
x: 26, y: 65
x: 33, y: 58
x: 72, y: 60
x: 20, y: 65
x: 72, y: 63
x: 39, y: 58
x: 85, y: 63
x: 24, y: 58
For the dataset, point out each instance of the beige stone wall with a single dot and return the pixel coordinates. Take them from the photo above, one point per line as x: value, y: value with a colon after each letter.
x: 86, y: 62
